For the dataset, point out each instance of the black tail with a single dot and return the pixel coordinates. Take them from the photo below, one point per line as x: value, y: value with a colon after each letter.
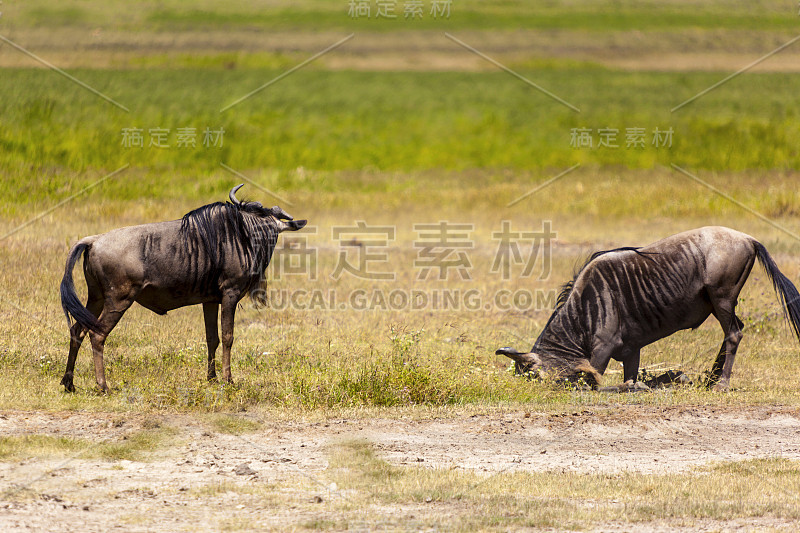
x: 786, y: 291
x: 69, y: 298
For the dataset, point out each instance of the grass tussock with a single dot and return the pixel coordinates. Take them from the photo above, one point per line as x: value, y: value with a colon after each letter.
x: 233, y: 425
x: 134, y: 447
x: 18, y: 447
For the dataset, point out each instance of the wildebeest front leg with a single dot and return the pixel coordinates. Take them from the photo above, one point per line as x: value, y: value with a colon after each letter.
x: 602, y: 353
x: 210, y: 316
x: 630, y: 366
x: 228, y: 313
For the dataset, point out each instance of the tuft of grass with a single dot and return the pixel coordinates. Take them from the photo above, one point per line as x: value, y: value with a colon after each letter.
x: 325, y: 524
x: 18, y: 447
x: 232, y: 424
x: 134, y: 447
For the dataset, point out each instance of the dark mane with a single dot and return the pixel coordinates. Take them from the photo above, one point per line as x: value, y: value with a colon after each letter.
x: 221, y: 228
x: 566, y: 289
x: 203, y: 224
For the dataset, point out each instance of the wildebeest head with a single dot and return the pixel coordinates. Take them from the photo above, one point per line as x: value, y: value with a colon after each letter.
x: 283, y: 220
x: 573, y: 372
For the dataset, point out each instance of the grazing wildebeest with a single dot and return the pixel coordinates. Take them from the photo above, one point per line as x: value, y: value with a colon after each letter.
x: 214, y: 256
x: 627, y: 298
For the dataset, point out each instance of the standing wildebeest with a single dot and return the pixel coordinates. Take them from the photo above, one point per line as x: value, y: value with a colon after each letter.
x: 215, y: 255
x: 624, y: 299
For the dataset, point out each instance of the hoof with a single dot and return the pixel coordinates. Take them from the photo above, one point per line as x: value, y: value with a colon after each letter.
x: 68, y: 385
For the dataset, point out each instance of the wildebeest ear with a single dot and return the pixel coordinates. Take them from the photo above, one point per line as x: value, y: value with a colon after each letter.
x: 280, y: 214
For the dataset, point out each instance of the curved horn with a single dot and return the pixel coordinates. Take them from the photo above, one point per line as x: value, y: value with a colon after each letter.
x: 280, y: 214
x: 232, y: 194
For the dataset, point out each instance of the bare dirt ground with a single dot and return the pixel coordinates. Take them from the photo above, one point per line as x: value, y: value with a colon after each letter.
x: 275, y: 477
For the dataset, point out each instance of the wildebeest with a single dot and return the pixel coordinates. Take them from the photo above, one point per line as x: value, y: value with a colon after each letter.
x: 627, y: 298
x: 214, y: 256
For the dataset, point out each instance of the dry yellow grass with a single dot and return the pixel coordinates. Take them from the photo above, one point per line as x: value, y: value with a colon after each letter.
x: 348, y: 342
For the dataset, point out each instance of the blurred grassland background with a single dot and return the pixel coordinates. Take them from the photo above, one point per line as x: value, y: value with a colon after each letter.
x: 398, y: 125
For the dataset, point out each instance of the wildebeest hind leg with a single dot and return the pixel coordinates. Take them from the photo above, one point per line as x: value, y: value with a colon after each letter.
x: 723, y: 365
x: 76, y: 336
x: 111, y: 314
x: 716, y: 368
x: 210, y: 315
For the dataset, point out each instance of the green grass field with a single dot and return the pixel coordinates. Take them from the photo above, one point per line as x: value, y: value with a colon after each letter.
x: 497, y: 131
